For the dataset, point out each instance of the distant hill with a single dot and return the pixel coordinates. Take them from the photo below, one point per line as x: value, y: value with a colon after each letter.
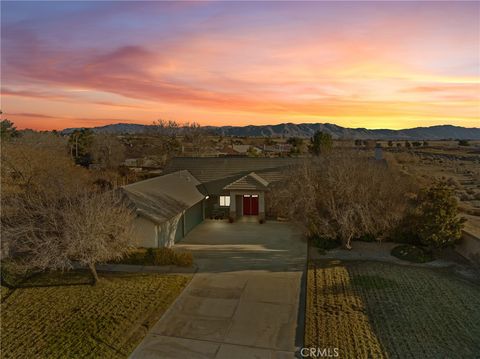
x: 308, y: 129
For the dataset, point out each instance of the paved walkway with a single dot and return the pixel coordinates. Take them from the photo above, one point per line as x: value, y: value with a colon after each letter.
x: 245, y: 301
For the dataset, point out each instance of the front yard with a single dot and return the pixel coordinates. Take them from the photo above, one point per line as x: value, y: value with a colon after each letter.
x: 48, y: 319
x: 383, y: 310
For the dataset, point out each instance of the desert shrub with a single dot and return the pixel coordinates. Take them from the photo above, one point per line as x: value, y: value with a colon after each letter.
x: 412, y: 253
x: 167, y: 256
x: 464, y: 196
x: 405, y: 232
x: 157, y: 257
x: 368, y: 237
x: 470, y: 191
x: 453, y: 182
x: 324, y: 243
x: 436, y: 218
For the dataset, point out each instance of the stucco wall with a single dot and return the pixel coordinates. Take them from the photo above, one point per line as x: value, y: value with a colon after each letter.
x: 168, y: 230
x: 144, y: 233
x: 469, y: 247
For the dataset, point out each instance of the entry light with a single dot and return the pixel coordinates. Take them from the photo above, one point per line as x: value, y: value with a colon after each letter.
x: 207, y: 197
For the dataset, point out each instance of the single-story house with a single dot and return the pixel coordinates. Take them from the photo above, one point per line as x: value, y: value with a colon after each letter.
x: 195, y: 188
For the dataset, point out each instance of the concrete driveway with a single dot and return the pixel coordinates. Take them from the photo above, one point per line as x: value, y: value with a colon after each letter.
x: 246, y: 300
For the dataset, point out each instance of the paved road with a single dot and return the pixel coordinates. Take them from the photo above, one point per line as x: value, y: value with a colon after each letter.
x: 245, y: 300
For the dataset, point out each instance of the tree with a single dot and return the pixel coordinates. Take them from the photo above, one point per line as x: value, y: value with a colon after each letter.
x: 107, y: 151
x: 47, y: 232
x: 97, y: 228
x: 408, y: 144
x: 295, y: 141
x: 195, y: 135
x: 320, y: 143
x: 343, y: 195
x: 425, y: 143
x: 52, y: 216
x: 81, y: 142
x: 358, y: 142
x: 253, y: 152
x: 167, y: 131
x: 390, y: 143
x: 8, y: 129
x: 416, y: 144
x: 463, y: 143
x: 436, y: 218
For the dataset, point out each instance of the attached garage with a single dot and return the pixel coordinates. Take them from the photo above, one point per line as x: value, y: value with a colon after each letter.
x: 167, y: 207
x: 193, y: 216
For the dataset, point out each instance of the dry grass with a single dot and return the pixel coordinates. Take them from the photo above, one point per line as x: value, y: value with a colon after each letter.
x: 378, y: 310
x: 78, y: 320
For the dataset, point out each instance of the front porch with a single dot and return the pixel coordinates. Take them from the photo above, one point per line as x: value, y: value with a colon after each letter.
x: 243, y: 197
x: 247, y: 204
x: 247, y: 196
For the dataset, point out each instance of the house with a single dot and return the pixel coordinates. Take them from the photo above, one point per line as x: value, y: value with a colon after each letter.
x: 195, y: 188
x: 246, y: 149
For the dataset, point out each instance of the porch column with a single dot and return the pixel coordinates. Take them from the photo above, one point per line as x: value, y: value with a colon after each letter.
x: 261, y: 205
x: 233, y: 205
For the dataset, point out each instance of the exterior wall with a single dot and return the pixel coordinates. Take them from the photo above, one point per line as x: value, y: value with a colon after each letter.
x: 151, y: 235
x: 193, y: 217
x: 239, y: 201
x: 469, y: 247
x: 236, y: 209
x: 168, y: 232
x: 213, y: 209
x: 144, y: 232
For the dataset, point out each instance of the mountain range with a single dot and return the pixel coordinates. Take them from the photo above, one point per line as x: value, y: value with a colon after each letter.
x: 308, y: 129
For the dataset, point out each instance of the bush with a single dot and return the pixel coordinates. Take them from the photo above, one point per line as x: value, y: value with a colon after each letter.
x: 324, y: 243
x: 412, y: 253
x: 157, y: 257
x: 436, y: 217
x: 366, y: 238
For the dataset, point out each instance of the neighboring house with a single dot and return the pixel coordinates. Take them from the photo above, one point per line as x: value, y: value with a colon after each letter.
x: 277, y: 149
x: 228, y: 151
x: 194, y: 188
x: 245, y: 149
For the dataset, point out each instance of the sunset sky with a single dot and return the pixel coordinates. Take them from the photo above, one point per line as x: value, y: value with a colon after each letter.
x: 356, y: 64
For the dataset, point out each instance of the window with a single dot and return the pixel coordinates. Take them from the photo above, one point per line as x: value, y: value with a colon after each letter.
x: 225, y: 201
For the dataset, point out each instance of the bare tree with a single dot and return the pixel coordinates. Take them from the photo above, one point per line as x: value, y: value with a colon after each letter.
x: 196, y: 136
x: 344, y: 195
x: 51, y: 217
x: 108, y: 151
x: 167, y: 132
x: 98, y: 228
x: 45, y: 232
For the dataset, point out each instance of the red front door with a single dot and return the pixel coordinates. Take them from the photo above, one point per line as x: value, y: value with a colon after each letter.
x: 254, y: 207
x: 250, y: 205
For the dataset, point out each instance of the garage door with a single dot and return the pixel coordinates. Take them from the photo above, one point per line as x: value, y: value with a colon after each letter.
x: 193, y: 216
